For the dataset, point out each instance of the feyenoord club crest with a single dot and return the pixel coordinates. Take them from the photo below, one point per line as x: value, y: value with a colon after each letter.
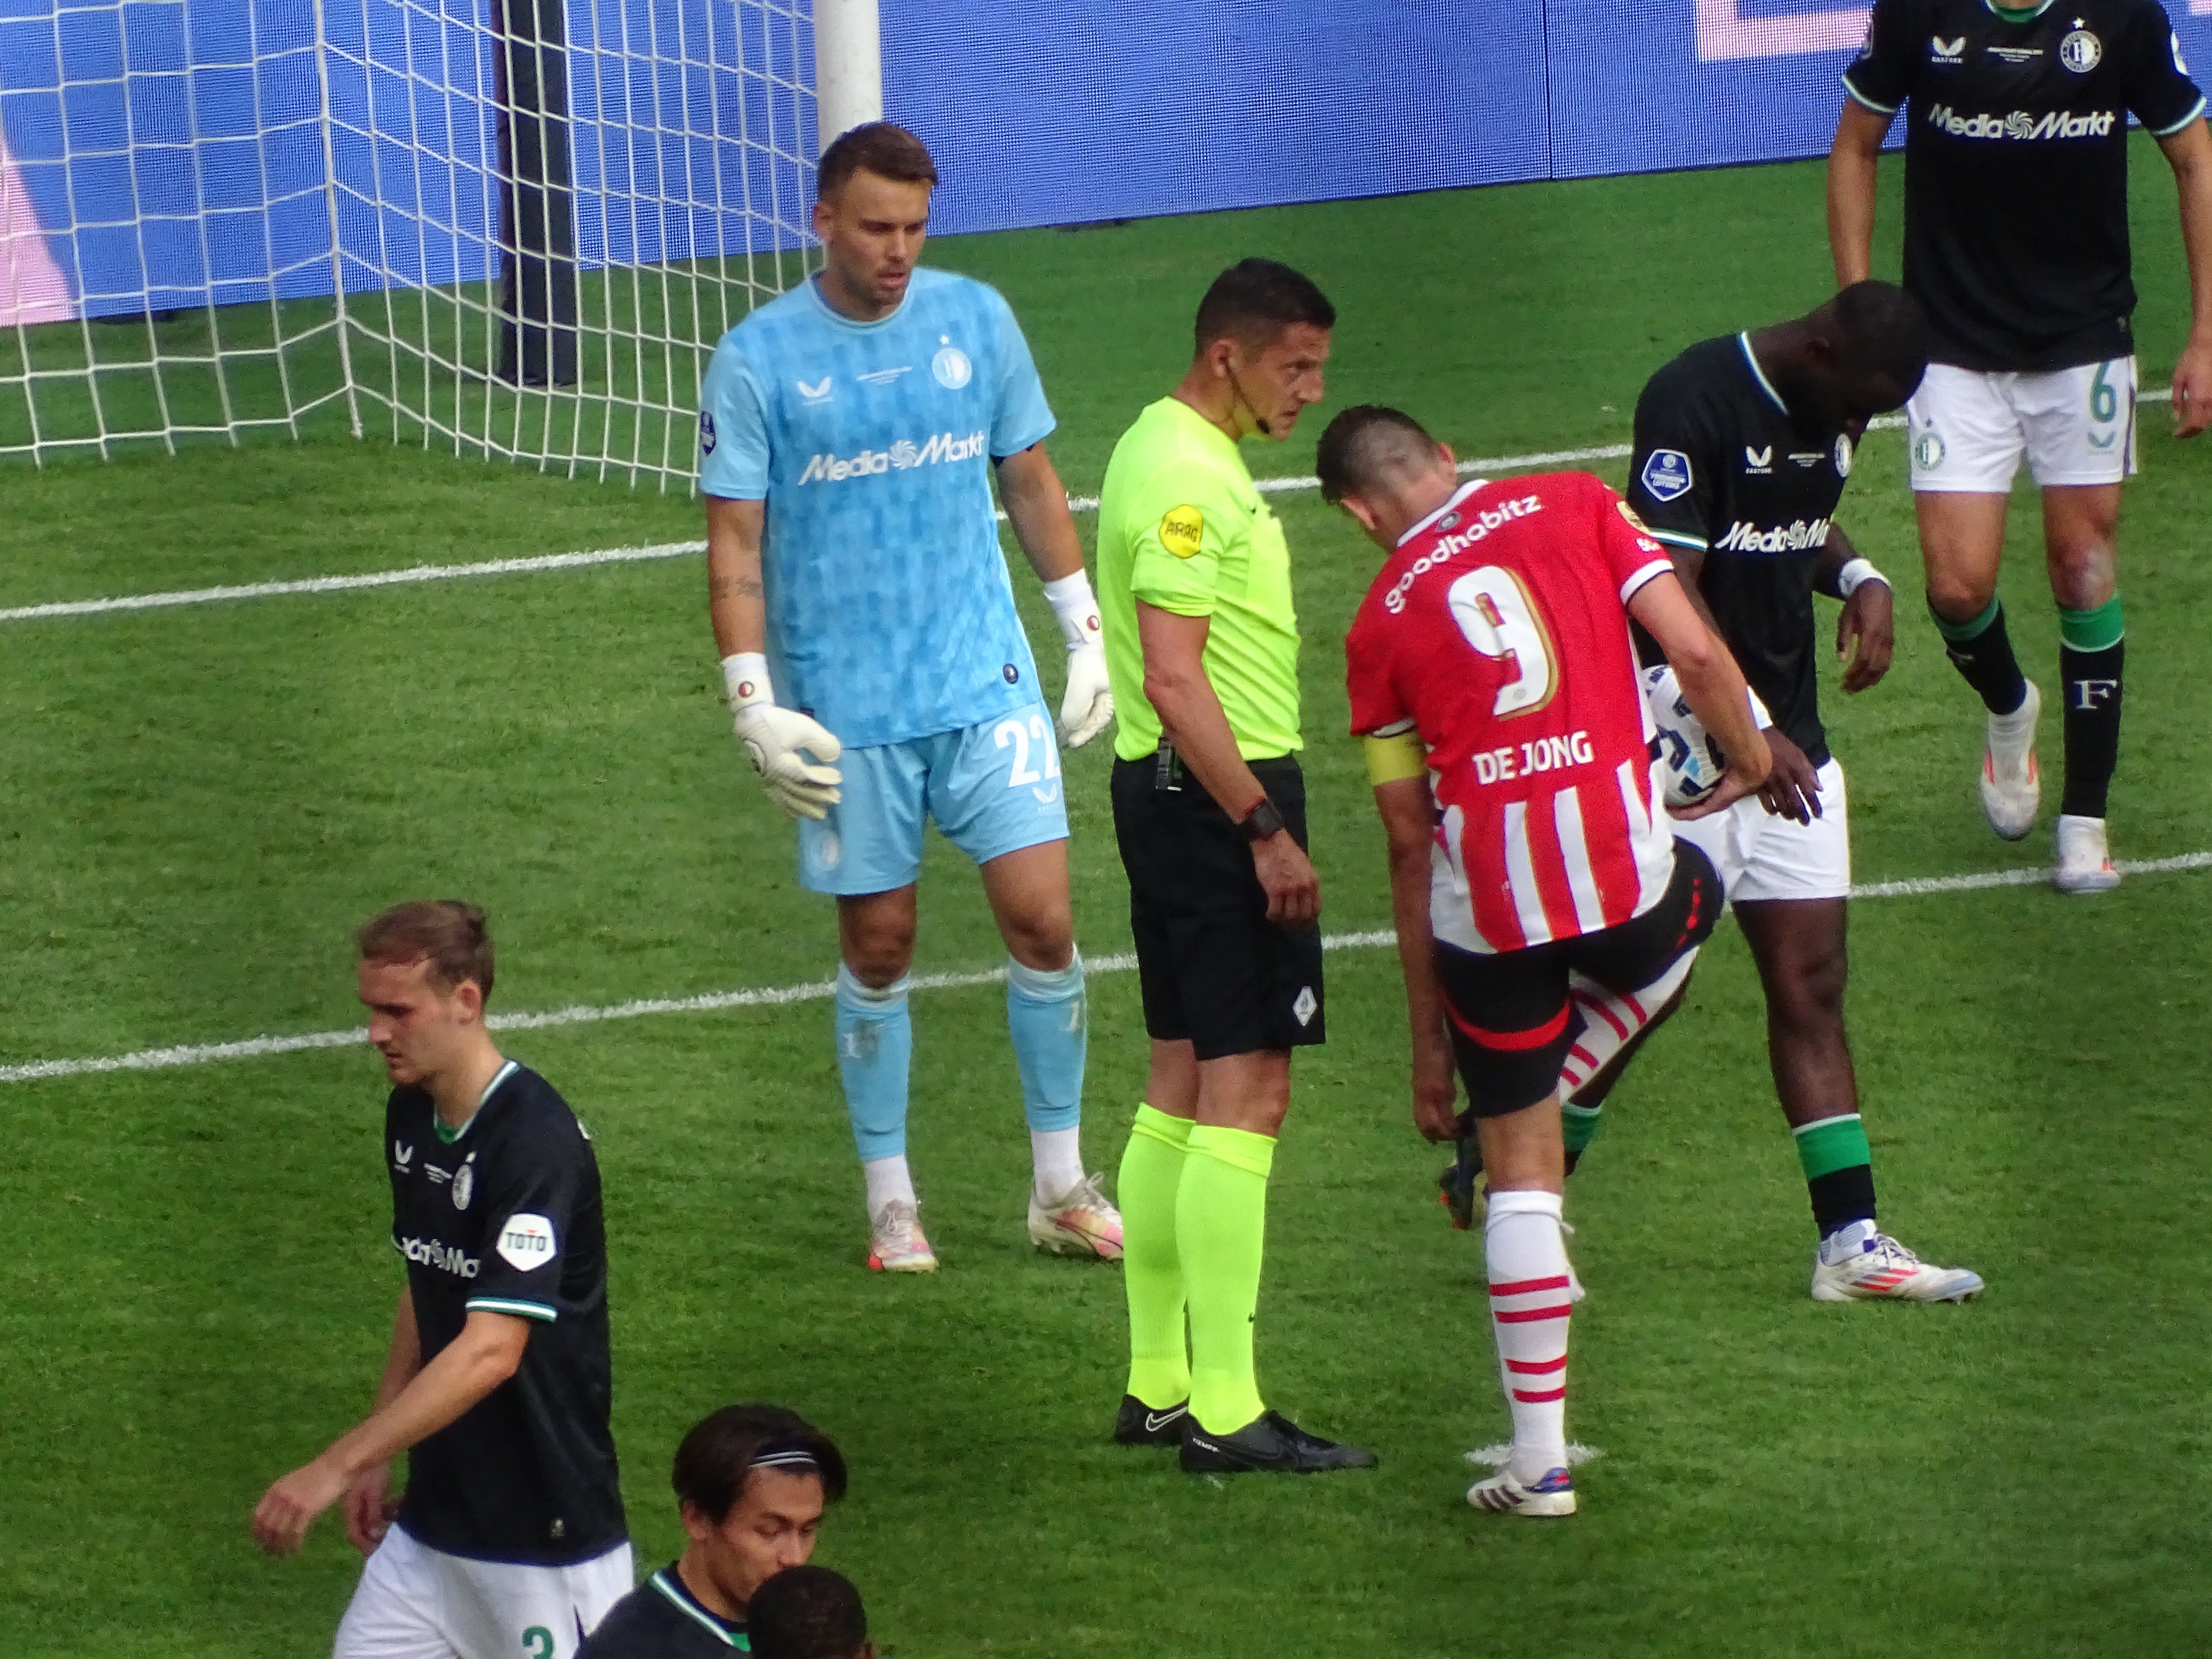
x: 2080, y: 51
x: 950, y: 366
x: 465, y: 1185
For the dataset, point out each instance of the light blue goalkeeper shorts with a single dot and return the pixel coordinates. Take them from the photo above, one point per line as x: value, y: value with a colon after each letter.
x: 992, y: 788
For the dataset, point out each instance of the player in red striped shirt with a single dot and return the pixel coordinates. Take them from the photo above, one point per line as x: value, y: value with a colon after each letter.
x: 1492, y: 675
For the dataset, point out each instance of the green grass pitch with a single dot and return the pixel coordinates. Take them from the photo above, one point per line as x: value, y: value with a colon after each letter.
x: 200, y: 803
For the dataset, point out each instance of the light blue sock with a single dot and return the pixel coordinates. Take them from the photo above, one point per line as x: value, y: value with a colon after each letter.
x: 875, y: 1046
x: 1047, y: 1018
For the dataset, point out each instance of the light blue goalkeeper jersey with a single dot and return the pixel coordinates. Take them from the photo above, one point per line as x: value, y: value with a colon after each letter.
x: 890, y: 613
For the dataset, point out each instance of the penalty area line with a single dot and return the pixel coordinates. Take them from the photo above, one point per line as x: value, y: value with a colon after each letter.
x: 538, y: 563
x: 713, y: 1002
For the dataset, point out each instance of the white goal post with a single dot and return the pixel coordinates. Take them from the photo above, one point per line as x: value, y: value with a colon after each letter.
x: 508, y: 228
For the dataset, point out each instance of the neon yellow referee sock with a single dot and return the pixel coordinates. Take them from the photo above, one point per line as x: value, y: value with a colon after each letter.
x: 1152, y: 1272
x: 1221, y: 1227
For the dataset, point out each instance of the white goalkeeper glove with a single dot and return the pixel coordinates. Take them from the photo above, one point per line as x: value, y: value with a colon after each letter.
x: 774, y: 738
x: 1088, y: 703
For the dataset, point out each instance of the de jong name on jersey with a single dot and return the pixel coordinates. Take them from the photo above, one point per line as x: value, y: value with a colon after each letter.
x: 506, y: 1217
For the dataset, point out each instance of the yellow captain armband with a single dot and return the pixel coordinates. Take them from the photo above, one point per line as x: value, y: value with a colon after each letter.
x: 1396, y: 758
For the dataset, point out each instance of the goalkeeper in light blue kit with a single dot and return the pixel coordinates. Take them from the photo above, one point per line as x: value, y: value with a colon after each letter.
x: 876, y: 665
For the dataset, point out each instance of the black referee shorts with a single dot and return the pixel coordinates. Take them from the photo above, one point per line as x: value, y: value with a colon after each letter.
x: 1214, y: 971
x: 1511, y: 1024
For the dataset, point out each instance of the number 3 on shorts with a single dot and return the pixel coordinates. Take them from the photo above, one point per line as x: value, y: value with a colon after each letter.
x: 1020, y: 734
x: 537, y: 1642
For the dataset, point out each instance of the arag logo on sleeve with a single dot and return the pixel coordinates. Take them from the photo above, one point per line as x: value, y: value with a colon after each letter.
x: 1182, y: 531
x: 526, y: 1243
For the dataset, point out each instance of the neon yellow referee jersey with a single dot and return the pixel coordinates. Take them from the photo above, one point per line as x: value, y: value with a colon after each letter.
x: 1181, y: 527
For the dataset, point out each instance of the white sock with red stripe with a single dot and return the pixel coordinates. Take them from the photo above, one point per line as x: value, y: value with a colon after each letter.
x: 1527, y: 1257
x: 1611, y: 1018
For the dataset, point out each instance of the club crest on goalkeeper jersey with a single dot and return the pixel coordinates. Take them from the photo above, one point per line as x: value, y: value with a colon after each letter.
x: 890, y: 616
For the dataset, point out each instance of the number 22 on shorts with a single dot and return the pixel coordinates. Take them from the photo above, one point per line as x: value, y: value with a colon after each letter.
x: 1020, y: 735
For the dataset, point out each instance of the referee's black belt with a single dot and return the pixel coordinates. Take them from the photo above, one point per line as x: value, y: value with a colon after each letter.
x: 1170, y: 773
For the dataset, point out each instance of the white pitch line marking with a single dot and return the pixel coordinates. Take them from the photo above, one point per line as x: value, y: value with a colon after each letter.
x: 156, y: 1059
x: 441, y: 572
x: 417, y: 572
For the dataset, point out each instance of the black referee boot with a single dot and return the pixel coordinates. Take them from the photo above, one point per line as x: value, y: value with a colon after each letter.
x: 1139, y: 1424
x: 1269, y: 1442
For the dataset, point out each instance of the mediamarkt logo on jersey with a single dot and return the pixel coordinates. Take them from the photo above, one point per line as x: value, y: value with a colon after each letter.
x: 2097, y: 124
x: 429, y: 1253
x: 829, y: 469
x: 1799, y: 537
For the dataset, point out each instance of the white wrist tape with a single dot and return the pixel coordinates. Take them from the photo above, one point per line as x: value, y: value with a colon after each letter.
x: 1856, y: 571
x: 745, y: 676
x: 1077, y: 607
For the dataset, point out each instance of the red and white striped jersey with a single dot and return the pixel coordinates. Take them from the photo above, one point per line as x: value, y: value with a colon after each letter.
x: 1498, y: 632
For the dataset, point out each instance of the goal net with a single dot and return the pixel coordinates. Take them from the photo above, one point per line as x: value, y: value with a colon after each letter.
x: 511, y: 228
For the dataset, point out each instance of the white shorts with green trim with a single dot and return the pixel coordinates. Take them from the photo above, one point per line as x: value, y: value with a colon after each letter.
x: 1761, y: 856
x: 1969, y: 429
x: 415, y: 1602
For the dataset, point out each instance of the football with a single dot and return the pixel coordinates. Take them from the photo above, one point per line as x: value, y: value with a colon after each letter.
x: 1690, y: 762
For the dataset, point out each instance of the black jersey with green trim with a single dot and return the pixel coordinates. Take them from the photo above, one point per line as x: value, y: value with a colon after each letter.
x: 1723, y: 468
x: 661, y: 1620
x: 2016, y: 166
x: 505, y: 1216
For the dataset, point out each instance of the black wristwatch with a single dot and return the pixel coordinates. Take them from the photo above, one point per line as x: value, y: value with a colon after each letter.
x: 1262, y: 821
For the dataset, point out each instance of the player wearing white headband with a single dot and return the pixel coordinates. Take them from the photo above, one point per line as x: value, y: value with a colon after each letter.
x: 751, y: 1482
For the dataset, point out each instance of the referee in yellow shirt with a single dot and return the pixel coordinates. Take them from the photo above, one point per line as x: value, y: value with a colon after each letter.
x: 1209, y: 808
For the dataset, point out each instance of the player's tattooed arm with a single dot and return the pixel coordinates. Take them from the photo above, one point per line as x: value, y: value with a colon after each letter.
x: 736, y: 599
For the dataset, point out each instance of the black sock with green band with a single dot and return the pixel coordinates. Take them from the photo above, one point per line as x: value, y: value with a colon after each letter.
x: 1981, y: 651
x: 2092, y: 648
x: 1838, y: 1171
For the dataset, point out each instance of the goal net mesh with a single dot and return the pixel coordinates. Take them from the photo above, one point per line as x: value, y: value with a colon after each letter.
x: 511, y: 228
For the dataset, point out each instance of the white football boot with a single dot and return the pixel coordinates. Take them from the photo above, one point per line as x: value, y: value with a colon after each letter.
x: 1859, y: 1263
x: 2011, y: 790
x: 1079, y: 1222
x: 895, y: 1242
x: 1546, y: 1499
x: 2085, y: 866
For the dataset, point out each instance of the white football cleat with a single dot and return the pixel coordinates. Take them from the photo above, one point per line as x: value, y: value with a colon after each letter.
x: 2011, y: 790
x: 1882, y: 1270
x: 2084, y: 864
x: 1079, y: 1222
x: 1548, y: 1498
x: 895, y: 1241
